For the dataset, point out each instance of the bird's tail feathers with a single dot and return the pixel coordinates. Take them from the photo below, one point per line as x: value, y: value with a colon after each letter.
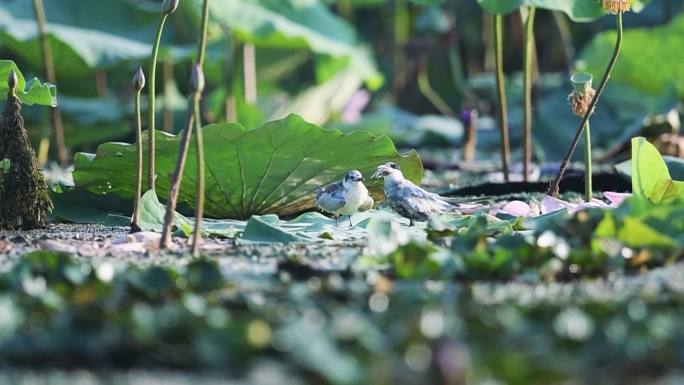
x: 469, y: 208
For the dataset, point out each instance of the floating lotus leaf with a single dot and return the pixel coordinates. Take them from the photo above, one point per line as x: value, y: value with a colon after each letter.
x: 273, y: 169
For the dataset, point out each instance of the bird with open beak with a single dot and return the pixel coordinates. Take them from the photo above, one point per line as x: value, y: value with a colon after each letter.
x: 345, y: 197
x: 407, y: 199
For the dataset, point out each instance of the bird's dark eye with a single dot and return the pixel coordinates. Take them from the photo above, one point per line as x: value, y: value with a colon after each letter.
x: 393, y: 165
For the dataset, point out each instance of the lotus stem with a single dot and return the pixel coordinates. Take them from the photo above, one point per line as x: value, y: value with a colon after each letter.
x: 151, y: 127
x: 553, y: 187
x: 579, y: 99
x: 587, y: 163
x: 197, y: 86
x: 101, y: 83
x: 199, y: 199
x: 176, y: 178
x: 55, y: 114
x: 488, y: 42
x: 501, y: 94
x: 401, y: 35
x: 566, y: 38
x: 167, y: 74
x: 230, y: 107
x: 138, y: 85
x: 202, y: 45
x: 250, y: 76
x: 432, y: 95
x: 527, y: 81
x: 346, y: 9
x: 469, y: 118
x: 168, y: 7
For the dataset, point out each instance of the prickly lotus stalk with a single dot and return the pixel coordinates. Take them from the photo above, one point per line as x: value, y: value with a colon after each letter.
x: 617, y: 6
x: 24, y: 199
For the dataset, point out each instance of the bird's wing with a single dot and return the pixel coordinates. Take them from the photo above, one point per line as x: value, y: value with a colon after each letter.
x: 367, y: 204
x: 331, y: 197
x: 423, y: 201
x: 333, y: 188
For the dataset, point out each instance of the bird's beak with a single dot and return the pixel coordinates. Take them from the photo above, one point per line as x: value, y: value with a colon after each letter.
x: 377, y: 174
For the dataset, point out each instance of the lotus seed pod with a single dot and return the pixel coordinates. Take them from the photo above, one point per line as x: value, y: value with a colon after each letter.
x: 139, y: 79
x: 197, y: 79
x: 12, y: 81
x: 169, y: 6
x: 617, y: 6
x: 580, y: 101
x: 580, y: 98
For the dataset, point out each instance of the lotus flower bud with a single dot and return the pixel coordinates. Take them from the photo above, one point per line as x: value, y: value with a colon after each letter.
x: 617, y: 6
x: 139, y: 79
x: 169, y: 6
x: 12, y: 81
x: 580, y: 98
x: 197, y: 79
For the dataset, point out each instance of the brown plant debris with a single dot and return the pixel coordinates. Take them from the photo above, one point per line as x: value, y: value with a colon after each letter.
x: 24, y: 199
x: 580, y: 101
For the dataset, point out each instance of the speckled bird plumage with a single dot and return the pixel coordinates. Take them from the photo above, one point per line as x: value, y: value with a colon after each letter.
x: 345, y: 197
x: 407, y: 199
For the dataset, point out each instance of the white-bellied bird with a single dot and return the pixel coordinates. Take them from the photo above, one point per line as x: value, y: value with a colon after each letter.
x: 345, y: 197
x: 407, y: 199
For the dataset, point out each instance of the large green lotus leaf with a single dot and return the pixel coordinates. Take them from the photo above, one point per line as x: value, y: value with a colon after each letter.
x: 83, y: 34
x: 651, y: 60
x: 287, y: 23
x: 32, y: 92
x: 296, y: 24
x: 674, y: 165
x: 270, y: 169
x: 577, y: 10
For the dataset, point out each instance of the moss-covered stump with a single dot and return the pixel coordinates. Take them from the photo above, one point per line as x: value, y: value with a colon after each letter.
x: 24, y: 199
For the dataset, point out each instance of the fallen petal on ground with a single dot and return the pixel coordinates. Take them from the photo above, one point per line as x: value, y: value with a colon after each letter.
x: 616, y: 198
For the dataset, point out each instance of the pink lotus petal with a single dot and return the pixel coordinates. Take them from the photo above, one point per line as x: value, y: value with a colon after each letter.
x: 616, y: 198
x: 517, y: 209
x: 550, y: 204
x: 594, y: 203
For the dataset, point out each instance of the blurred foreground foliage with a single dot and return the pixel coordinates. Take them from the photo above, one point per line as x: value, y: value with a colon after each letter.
x: 417, y: 313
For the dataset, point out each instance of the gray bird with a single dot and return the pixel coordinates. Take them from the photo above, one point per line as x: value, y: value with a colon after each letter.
x: 407, y: 199
x: 346, y: 197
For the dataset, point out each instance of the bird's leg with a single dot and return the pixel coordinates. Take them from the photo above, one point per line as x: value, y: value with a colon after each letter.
x: 337, y: 220
x: 350, y: 222
x: 411, y: 222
